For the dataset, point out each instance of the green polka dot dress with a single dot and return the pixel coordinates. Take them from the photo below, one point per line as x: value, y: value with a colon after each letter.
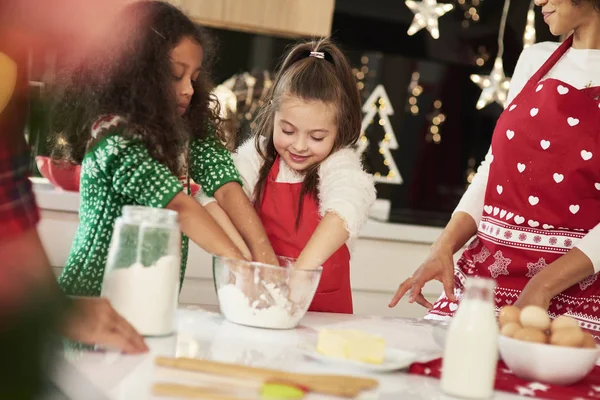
x: 118, y: 171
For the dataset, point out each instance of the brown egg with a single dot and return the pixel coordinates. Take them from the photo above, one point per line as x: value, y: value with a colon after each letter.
x: 568, y: 337
x: 510, y: 329
x: 535, y: 317
x: 588, y: 341
x: 509, y: 314
x: 531, y: 335
x: 563, y: 322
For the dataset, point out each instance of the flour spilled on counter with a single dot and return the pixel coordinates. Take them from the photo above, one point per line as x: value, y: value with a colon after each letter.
x: 278, y: 315
x: 146, y: 296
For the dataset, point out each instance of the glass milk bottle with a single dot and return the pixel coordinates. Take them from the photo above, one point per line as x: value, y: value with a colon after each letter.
x: 141, y: 279
x: 471, y: 349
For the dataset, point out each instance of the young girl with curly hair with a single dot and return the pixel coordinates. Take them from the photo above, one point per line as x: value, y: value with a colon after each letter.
x: 139, y: 116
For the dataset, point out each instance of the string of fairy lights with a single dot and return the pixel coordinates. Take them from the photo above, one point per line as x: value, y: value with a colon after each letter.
x: 494, y: 86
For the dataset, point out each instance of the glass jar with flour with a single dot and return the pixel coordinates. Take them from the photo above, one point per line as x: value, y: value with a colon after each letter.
x: 141, y: 278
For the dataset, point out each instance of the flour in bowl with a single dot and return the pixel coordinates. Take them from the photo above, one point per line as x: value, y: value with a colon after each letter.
x: 280, y: 314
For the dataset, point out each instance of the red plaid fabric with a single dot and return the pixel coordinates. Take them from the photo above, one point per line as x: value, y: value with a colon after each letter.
x: 18, y: 210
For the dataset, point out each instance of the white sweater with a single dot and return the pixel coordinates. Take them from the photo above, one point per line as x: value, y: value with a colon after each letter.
x: 345, y: 189
x: 579, y: 68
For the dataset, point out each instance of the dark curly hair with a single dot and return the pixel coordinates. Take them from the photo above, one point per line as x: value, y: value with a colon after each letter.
x: 130, y: 75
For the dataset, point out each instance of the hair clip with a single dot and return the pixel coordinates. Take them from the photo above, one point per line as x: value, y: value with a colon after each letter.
x: 158, y: 33
x: 317, y: 54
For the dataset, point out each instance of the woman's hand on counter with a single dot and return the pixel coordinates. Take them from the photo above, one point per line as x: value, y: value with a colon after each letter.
x: 439, y: 266
x: 94, y: 321
x: 440, y: 263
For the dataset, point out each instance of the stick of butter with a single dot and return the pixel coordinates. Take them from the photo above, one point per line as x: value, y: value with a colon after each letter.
x: 351, y: 345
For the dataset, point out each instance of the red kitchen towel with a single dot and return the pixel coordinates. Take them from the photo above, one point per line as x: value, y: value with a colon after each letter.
x: 506, y: 381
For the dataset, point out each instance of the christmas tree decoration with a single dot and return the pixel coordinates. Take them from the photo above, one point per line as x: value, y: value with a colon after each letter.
x: 427, y: 13
x: 529, y: 36
x: 378, y: 105
x: 495, y: 85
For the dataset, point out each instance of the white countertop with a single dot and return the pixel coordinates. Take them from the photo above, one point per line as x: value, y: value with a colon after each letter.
x: 50, y: 198
x: 203, y: 333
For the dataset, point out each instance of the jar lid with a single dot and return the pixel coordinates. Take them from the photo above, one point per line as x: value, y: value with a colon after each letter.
x: 152, y: 215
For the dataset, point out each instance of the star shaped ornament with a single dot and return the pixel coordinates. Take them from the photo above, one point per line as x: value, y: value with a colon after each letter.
x: 494, y: 86
x: 427, y: 13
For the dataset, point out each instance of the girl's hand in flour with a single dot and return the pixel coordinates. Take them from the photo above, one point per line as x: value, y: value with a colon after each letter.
x: 257, y: 282
x: 94, y: 321
x: 242, y: 275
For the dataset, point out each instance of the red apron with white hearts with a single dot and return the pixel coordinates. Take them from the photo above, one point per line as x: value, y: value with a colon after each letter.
x: 542, y: 196
x: 277, y: 210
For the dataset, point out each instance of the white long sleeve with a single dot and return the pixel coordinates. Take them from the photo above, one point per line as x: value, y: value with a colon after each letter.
x: 346, y: 190
x: 248, y: 162
x: 579, y: 68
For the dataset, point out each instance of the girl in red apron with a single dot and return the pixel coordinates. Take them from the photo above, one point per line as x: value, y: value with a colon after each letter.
x: 306, y: 182
x: 539, y: 231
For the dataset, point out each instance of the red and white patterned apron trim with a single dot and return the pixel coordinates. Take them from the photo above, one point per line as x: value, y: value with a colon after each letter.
x: 551, y: 241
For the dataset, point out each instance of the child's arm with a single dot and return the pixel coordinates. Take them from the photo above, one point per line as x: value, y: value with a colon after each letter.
x: 213, y: 166
x: 330, y: 235
x: 346, y: 193
x: 240, y: 210
x: 135, y: 174
x: 198, y: 224
x: 213, y: 208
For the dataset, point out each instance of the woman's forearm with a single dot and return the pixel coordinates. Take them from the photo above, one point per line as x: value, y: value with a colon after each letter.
x: 566, y: 271
x: 457, y: 232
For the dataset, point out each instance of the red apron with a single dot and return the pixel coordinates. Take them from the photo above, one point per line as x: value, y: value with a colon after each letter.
x: 277, y: 210
x: 542, y: 195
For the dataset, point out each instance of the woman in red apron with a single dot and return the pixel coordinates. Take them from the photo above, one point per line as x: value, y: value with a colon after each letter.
x: 538, y: 232
x: 307, y: 184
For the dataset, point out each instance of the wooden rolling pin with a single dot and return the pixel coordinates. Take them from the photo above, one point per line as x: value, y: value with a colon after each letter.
x: 190, y: 392
x: 335, y: 385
